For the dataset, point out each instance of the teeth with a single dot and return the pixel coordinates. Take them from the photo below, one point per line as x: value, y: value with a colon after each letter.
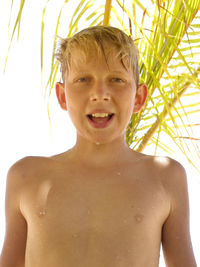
x: 102, y: 115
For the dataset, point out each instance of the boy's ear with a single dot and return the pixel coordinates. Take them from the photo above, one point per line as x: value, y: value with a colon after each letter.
x: 60, y: 93
x: 140, y: 98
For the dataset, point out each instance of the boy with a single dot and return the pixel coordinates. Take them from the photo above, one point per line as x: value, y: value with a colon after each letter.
x: 100, y: 204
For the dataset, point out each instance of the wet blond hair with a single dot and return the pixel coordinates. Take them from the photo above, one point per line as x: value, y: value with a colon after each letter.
x: 99, y: 39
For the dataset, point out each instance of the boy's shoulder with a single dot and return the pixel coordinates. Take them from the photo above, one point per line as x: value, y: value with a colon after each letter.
x: 168, y: 171
x: 29, y: 173
x: 28, y: 164
x: 24, y: 169
x: 31, y: 163
x: 158, y: 164
x: 164, y: 169
x: 162, y: 162
x: 35, y: 165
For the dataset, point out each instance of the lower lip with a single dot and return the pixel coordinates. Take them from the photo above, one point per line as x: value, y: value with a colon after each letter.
x: 101, y: 125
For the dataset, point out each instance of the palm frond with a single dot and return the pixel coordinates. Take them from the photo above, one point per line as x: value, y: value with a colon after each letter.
x: 17, y: 25
x: 107, y: 12
x: 171, y: 44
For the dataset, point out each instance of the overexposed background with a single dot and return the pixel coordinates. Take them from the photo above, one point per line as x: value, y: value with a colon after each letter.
x: 24, y: 124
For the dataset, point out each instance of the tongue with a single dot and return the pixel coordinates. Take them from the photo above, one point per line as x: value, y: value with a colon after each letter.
x: 100, y: 119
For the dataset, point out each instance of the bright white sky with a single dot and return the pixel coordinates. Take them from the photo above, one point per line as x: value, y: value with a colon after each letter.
x: 24, y: 125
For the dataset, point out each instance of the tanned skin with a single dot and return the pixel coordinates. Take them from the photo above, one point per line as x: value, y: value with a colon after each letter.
x: 100, y: 204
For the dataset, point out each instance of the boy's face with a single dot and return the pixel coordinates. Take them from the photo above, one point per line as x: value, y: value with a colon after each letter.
x: 100, y: 97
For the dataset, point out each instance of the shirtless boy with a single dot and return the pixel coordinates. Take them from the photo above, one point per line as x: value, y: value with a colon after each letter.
x: 100, y: 204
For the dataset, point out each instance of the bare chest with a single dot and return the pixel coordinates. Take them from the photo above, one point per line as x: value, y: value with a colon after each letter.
x: 80, y: 202
x: 110, y: 214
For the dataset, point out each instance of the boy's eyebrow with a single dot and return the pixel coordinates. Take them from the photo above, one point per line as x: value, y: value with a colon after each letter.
x: 119, y: 71
x: 123, y: 72
x: 82, y: 71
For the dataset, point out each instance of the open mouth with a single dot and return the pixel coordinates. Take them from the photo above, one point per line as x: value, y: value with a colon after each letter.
x: 100, y: 119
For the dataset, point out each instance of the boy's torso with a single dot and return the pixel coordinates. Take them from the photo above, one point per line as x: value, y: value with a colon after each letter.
x: 80, y: 216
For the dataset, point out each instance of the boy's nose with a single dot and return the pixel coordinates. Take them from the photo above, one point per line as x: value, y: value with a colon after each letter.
x: 100, y: 92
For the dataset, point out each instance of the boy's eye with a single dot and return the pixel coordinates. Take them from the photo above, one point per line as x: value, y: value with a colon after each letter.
x: 117, y: 80
x: 82, y: 79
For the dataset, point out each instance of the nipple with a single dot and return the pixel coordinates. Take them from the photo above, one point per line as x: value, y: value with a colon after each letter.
x: 75, y: 235
x: 139, y: 218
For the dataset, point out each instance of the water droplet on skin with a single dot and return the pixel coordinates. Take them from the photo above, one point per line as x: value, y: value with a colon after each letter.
x: 118, y: 173
x: 42, y: 213
x: 97, y: 143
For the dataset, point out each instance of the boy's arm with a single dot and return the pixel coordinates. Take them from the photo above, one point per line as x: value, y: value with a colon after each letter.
x: 176, y: 242
x: 13, y: 252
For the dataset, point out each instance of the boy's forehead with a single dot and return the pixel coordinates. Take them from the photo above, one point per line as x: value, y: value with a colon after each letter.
x: 81, y: 59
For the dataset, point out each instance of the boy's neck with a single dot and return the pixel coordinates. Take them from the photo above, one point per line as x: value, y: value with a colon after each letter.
x: 95, y: 154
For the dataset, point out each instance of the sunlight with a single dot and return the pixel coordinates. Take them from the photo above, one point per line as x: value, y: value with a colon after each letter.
x: 164, y: 161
